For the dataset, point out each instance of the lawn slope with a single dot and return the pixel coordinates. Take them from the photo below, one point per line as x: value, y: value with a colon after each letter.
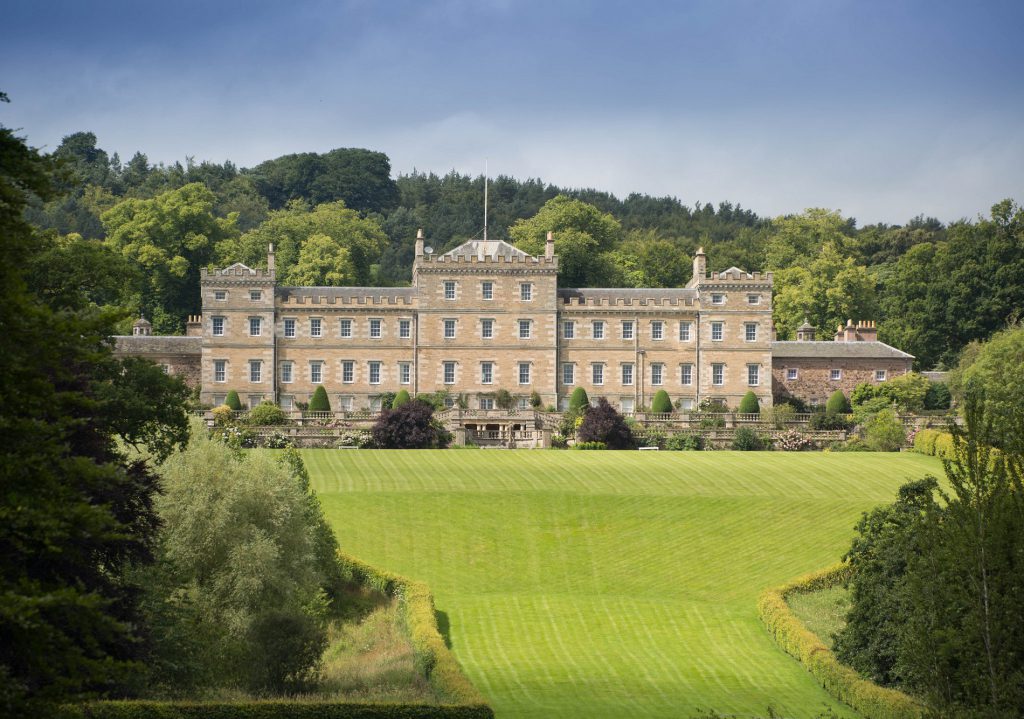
x: 610, y: 584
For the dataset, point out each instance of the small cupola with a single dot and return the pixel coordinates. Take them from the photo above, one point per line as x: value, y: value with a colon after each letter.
x: 142, y: 328
x: 805, y: 332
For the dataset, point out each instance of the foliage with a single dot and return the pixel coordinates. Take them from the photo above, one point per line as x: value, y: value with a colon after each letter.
x: 503, y: 399
x: 222, y: 415
x: 779, y: 415
x: 232, y: 401
x: 907, y: 391
x: 883, y: 432
x: 938, y: 396
x: 602, y: 423
x: 837, y: 403
x: 709, y: 404
x: 996, y: 370
x: 401, y: 398
x: 749, y: 404
x: 862, y: 393
x: 793, y: 441
x: 590, y: 445
x: 275, y: 709
x: 578, y: 400
x: 713, y: 421
x: 409, y: 426
x: 266, y: 414
x: 535, y: 400
x: 77, y: 507
x: 747, y: 440
x: 867, y: 409
x: 661, y: 403
x: 319, y: 402
x: 685, y: 442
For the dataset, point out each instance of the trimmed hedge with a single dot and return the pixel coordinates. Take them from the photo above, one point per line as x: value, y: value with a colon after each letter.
x: 839, y: 680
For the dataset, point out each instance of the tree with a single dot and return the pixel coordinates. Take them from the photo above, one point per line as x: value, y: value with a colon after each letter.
x: 883, y: 432
x: 937, y: 396
x: 662, y: 403
x: 401, y: 398
x: 578, y: 401
x: 796, y: 238
x: 232, y: 401
x: 908, y: 391
x: 996, y: 370
x: 749, y: 404
x: 410, y: 426
x: 602, y: 423
x: 837, y: 403
x: 319, y: 401
x: 77, y: 508
x: 323, y: 262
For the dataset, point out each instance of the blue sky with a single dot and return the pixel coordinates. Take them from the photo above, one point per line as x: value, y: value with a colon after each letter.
x: 883, y: 110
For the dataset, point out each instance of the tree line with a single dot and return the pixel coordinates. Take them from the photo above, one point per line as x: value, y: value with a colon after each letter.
x: 339, y: 218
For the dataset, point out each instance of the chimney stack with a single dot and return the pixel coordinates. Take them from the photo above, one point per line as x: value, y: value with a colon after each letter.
x: 419, y: 242
x: 194, y: 326
x: 270, y: 259
x: 867, y: 331
x: 549, y: 246
x: 700, y: 266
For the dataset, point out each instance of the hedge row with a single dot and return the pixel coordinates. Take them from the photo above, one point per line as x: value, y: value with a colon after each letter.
x: 839, y: 680
x: 432, y: 654
x: 934, y: 442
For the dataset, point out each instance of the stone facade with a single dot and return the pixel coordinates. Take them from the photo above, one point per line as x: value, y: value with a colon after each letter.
x: 180, y: 356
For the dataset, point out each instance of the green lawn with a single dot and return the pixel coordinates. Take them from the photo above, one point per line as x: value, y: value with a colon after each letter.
x: 610, y: 584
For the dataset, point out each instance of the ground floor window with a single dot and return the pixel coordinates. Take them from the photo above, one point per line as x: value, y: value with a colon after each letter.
x: 487, y: 403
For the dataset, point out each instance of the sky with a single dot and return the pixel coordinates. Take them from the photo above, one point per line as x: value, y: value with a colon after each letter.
x: 881, y: 109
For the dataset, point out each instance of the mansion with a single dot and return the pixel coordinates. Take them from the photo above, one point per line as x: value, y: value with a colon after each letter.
x: 485, y: 317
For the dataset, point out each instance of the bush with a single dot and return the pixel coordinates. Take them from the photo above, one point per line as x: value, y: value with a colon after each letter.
x: 746, y: 440
x: 869, y: 408
x: 884, y: 433
x: 862, y: 393
x: 712, y: 405
x: 793, y: 441
x: 223, y: 416
x: 837, y: 403
x: 266, y: 414
x: 779, y: 415
x: 233, y: 402
x: 535, y: 401
x: 823, y: 422
x: 319, y: 401
x: 590, y: 445
x: 503, y: 399
x: 579, y: 400
x: 938, y: 396
x: 714, y: 422
x: 602, y: 423
x: 924, y: 441
x: 401, y: 398
x: 661, y: 404
x: 411, y: 426
x: 908, y: 391
x: 749, y: 404
x: 684, y: 442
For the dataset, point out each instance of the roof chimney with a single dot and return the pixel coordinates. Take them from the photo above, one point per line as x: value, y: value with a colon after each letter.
x: 700, y: 266
x: 549, y: 246
x: 194, y: 326
x: 867, y: 331
x: 849, y: 332
x: 419, y: 242
x: 270, y: 258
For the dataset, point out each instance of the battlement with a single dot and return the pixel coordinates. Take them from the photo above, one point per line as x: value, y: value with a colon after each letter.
x: 738, y: 276
x: 237, y: 271
x: 514, y: 260
x: 346, y: 296
x: 627, y: 297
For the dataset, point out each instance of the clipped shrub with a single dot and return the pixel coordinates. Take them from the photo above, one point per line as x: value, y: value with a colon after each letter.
x: 837, y: 403
x: 319, y: 401
x: 401, y: 398
x: 602, y: 423
x: 924, y: 441
x: 684, y: 443
x: 590, y: 445
x: 222, y: 416
x: 233, y: 402
x: 884, y: 433
x: 578, y: 401
x: 746, y: 440
x: 661, y: 404
x: 749, y: 404
x: 266, y: 414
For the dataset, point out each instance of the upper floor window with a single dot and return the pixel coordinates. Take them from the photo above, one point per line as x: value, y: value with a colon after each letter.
x: 217, y: 326
x: 374, y: 372
x: 486, y: 372
x: 791, y: 373
x: 716, y: 330
x: 286, y: 371
x: 753, y: 375
x: 316, y: 372
x: 487, y: 290
x: 404, y: 329
x: 657, y: 373
x: 686, y: 374
x: 879, y: 375
x: 220, y: 370
x: 717, y: 299
x: 750, y: 331
x: 255, y: 371
x: 255, y: 326
x: 525, y: 291
x: 449, y: 373
x: 524, y: 329
x: 753, y: 299
x: 375, y: 326
x: 449, y: 329
x: 348, y: 371
x: 220, y: 295
x: 449, y: 290
x: 684, y: 331
x: 487, y: 329
x: 345, y: 328
x: 718, y: 374
x: 568, y: 373
x: 597, y: 330
x: 568, y: 329
x: 316, y: 327
x: 836, y: 374
x: 289, y: 327
x: 404, y: 373
x: 627, y: 374
x: 657, y: 330
x: 597, y: 373
x: 627, y: 330
x: 524, y: 373
x: 255, y: 295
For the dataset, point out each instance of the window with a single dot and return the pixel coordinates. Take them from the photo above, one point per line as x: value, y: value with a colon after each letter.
x: 657, y: 330
x: 220, y: 370
x: 375, y: 329
x: 791, y: 373
x: 449, y: 373
x: 218, y: 327
x: 345, y: 329
x: 753, y: 299
x: 836, y: 374
x: 404, y: 329
x: 289, y: 327
x: 879, y: 375
x: 348, y: 371
x: 166, y: 368
x: 568, y: 329
x: 657, y: 374
x: 716, y: 330
x: 404, y: 373
x: 568, y: 373
x: 486, y: 372
x: 286, y: 371
x: 597, y: 330
x: 524, y: 329
x: 316, y: 372
x: 627, y: 330
x: 526, y: 292
x: 449, y: 290
x: 750, y: 331
x: 255, y: 371
x: 287, y: 403
x: 487, y: 329
x: 374, y: 372
x: 524, y: 373
x: 753, y: 375
x: 487, y: 290
x: 686, y: 374
x: 597, y: 373
x: 717, y: 299
x: 255, y: 326
x: 718, y: 374
x: 627, y: 406
x: 627, y: 374
x: 486, y: 403
x: 346, y: 403
x: 449, y: 329
x: 316, y: 327
x: 684, y: 331
x: 255, y: 295
x: 523, y: 403
x: 220, y: 295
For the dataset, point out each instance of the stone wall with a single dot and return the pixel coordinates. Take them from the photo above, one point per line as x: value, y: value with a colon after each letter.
x: 814, y: 383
